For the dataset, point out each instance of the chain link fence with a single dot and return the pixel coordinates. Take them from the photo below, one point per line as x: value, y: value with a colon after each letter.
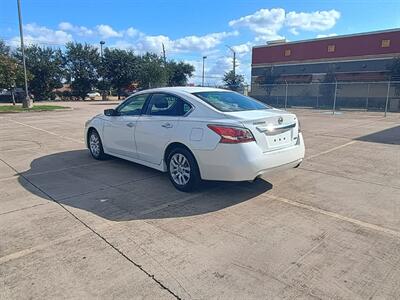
x: 367, y: 96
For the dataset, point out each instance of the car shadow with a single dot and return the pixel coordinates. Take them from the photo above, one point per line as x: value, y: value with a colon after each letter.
x: 119, y: 190
x: 388, y: 136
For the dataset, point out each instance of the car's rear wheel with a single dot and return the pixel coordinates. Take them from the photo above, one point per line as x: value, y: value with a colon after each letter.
x: 183, y: 170
x: 96, y: 146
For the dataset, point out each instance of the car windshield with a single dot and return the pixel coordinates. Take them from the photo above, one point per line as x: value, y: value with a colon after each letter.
x: 230, y: 101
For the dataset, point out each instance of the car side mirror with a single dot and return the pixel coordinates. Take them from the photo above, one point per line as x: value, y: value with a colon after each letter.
x: 110, y: 112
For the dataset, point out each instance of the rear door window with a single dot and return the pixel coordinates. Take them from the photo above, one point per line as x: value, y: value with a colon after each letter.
x: 161, y: 104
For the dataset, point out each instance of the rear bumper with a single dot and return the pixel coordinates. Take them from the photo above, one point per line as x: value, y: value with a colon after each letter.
x: 246, y: 161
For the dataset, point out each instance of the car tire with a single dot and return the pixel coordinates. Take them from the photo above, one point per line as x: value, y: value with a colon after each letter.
x: 183, y: 170
x: 95, y: 145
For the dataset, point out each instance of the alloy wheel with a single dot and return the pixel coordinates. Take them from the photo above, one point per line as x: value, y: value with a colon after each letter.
x: 94, y: 143
x: 180, y: 169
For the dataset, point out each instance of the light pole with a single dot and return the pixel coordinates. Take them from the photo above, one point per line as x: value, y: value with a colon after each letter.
x: 103, y: 94
x: 202, y: 80
x: 27, y: 103
x: 101, y: 48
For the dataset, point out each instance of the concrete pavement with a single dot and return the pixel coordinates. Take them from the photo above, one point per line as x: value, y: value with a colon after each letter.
x: 73, y: 227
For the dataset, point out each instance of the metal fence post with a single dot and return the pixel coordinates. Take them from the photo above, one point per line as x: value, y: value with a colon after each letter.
x: 366, y: 102
x: 334, y: 99
x: 387, y: 98
x: 286, y: 88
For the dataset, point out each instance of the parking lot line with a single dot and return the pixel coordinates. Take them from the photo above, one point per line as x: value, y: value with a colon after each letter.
x: 336, y: 216
x: 330, y: 150
x: 46, y: 131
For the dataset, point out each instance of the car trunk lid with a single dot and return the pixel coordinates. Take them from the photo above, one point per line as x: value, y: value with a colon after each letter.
x: 273, y: 129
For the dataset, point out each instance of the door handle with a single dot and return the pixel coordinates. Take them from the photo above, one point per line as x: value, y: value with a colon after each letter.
x: 167, y: 125
x: 130, y: 124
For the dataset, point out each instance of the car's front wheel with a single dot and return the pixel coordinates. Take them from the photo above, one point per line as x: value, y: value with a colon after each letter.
x: 183, y: 170
x: 95, y: 145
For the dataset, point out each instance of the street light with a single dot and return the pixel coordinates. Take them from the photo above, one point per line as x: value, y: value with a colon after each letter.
x: 202, y: 81
x: 27, y: 103
x: 103, y: 94
x: 101, y: 48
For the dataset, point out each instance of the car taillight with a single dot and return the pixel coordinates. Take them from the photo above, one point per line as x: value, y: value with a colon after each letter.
x: 232, y: 135
x: 298, y: 122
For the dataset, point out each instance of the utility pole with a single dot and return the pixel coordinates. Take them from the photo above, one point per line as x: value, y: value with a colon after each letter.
x: 202, y: 80
x: 234, y: 60
x: 27, y: 103
x: 103, y: 92
x: 164, y: 55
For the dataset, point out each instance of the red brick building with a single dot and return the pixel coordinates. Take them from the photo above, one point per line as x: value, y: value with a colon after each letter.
x: 356, y: 57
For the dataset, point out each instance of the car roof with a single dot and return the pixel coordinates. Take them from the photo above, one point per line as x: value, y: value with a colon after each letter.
x: 185, y: 89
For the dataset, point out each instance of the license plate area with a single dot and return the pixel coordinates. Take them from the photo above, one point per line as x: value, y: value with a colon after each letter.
x: 279, y: 140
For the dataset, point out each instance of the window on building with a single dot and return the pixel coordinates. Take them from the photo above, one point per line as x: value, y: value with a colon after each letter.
x: 288, y: 52
x: 331, y: 48
x: 385, y: 43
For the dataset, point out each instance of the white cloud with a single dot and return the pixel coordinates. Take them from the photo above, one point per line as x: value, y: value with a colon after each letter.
x: 66, y: 26
x: 243, y: 48
x: 132, y: 32
x: 193, y: 43
x: 201, y: 43
x: 153, y: 43
x: 123, y: 44
x: 79, y: 30
x: 313, y: 21
x: 319, y: 36
x: 106, y: 31
x: 265, y: 22
x: 220, y: 66
x: 36, y: 34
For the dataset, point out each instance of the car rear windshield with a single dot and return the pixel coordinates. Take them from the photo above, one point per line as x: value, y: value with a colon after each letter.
x: 230, y: 101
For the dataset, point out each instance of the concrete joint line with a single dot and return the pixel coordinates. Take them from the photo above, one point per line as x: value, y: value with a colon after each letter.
x: 353, y: 179
x: 21, y: 209
x: 67, y: 168
x: 140, y: 267
x: 336, y: 216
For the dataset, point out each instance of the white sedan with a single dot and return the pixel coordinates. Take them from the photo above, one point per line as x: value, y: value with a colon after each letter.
x: 196, y: 133
x: 93, y: 95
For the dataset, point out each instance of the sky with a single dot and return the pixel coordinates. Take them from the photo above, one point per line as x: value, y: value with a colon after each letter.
x: 190, y: 30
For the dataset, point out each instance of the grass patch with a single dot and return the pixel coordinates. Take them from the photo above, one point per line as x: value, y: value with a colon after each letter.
x: 19, y: 108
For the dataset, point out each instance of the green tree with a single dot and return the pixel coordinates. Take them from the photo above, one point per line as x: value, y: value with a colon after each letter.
x: 151, y: 71
x: 82, y: 63
x: 4, y: 49
x: 178, y: 73
x: 120, y: 69
x: 233, y: 81
x: 11, y: 71
x: 47, y: 69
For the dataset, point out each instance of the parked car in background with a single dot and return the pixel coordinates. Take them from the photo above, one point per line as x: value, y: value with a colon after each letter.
x: 196, y: 133
x: 93, y: 95
x: 19, y: 95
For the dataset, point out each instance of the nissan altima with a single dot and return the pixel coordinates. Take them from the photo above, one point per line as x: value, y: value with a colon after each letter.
x: 198, y: 133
